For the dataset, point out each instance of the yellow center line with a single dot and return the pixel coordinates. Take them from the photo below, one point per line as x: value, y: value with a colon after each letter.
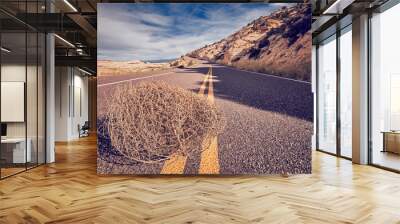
x: 210, y: 96
x: 209, y: 163
x: 203, y: 85
x: 176, y: 164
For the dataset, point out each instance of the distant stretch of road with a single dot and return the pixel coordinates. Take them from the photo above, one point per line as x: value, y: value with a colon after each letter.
x: 269, y: 121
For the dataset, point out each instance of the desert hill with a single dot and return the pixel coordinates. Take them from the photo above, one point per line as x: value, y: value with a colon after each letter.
x: 278, y: 44
x: 107, y: 68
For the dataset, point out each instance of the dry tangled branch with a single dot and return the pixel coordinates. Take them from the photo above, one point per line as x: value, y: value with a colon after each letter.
x: 149, y: 122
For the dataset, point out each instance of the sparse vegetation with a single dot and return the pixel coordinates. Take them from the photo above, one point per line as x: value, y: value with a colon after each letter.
x: 184, y: 62
x: 115, y: 68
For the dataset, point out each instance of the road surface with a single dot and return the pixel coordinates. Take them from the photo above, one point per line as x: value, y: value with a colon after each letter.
x: 268, y: 131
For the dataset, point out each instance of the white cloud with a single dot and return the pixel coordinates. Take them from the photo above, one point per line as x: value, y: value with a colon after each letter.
x: 126, y: 34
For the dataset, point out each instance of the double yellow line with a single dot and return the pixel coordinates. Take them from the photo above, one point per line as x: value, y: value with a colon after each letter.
x: 209, y: 162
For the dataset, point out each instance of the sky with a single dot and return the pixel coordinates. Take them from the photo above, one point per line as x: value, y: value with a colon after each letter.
x: 159, y: 31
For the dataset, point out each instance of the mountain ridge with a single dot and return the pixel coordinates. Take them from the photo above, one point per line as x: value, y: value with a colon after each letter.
x: 277, y: 44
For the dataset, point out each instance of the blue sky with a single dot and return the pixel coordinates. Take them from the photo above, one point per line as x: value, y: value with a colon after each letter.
x: 129, y: 31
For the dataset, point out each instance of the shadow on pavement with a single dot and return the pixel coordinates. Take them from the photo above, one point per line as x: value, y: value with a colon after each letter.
x: 261, y: 91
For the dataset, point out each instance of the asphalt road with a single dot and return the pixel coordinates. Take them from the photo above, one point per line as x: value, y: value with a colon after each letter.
x: 269, y: 121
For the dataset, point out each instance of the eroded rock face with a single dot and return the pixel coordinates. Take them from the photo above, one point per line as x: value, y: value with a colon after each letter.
x: 185, y: 62
x: 150, y: 122
x: 277, y: 44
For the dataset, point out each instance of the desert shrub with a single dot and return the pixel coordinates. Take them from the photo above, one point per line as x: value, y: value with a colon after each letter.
x: 190, y: 63
x: 149, y: 122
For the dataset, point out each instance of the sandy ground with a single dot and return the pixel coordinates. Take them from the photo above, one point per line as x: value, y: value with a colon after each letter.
x: 117, y: 68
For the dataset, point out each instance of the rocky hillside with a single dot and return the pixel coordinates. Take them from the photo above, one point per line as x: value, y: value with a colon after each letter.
x: 185, y: 62
x: 278, y: 44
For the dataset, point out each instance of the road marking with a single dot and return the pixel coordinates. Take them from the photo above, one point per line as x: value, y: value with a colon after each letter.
x: 177, y: 163
x: 203, y: 85
x: 273, y: 76
x: 210, y: 87
x: 129, y: 80
x: 209, y: 162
